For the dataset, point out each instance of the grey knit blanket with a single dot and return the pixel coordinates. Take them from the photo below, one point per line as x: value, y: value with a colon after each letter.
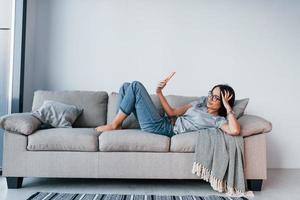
x: 219, y: 160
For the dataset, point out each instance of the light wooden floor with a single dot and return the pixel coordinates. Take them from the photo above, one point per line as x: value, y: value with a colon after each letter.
x: 282, y: 184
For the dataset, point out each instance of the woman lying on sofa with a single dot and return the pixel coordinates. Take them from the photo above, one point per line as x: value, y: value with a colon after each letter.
x: 215, y: 111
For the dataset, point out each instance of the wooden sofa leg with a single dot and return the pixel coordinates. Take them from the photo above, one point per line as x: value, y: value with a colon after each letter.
x: 14, y: 182
x: 254, y: 184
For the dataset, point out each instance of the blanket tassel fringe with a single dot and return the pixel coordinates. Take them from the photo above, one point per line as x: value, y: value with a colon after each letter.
x: 217, y: 184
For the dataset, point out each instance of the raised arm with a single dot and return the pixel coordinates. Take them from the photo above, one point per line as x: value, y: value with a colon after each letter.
x: 166, y: 106
x: 232, y: 127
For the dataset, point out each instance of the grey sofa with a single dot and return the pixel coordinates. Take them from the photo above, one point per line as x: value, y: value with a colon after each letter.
x: 81, y: 152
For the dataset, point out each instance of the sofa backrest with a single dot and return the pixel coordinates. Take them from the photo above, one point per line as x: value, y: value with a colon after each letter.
x: 94, y: 104
x: 131, y: 121
x: 177, y: 100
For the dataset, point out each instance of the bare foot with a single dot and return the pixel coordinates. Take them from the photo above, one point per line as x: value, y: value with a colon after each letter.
x: 107, y: 127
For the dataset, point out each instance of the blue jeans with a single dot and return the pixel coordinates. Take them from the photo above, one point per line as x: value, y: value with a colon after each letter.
x: 133, y: 97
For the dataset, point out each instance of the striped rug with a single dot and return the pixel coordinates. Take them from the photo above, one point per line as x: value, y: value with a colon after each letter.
x: 69, y: 196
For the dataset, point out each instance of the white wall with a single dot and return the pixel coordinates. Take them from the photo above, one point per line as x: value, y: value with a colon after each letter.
x: 252, y: 45
x: 5, y: 13
x: 5, y: 32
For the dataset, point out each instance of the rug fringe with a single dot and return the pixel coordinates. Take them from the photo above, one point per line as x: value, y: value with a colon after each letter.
x: 217, y: 184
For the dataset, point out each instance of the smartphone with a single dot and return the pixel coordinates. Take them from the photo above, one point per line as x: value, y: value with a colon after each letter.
x: 170, y: 76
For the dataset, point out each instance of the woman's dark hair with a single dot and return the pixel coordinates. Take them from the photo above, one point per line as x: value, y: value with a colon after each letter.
x: 222, y: 111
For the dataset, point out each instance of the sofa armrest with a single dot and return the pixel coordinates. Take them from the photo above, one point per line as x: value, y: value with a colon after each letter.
x: 24, y: 123
x: 251, y: 125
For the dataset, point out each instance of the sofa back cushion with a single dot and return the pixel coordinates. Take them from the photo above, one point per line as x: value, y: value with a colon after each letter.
x: 176, y: 101
x: 94, y: 104
x: 131, y: 121
x: 133, y: 140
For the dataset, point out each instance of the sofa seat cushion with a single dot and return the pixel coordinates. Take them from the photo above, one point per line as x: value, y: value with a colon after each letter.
x: 184, y: 142
x: 64, y: 139
x: 133, y: 140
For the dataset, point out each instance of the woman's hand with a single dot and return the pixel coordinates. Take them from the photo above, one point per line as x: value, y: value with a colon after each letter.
x: 161, y: 86
x: 225, y: 99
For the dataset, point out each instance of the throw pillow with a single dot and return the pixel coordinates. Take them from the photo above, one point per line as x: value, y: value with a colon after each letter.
x: 23, y: 123
x: 57, y: 114
x: 240, y: 106
x: 251, y: 125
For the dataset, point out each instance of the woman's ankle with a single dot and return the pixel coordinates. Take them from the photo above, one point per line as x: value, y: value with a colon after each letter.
x: 119, y: 127
x: 115, y: 126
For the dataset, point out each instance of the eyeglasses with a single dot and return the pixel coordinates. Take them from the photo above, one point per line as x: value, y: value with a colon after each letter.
x: 214, y: 97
